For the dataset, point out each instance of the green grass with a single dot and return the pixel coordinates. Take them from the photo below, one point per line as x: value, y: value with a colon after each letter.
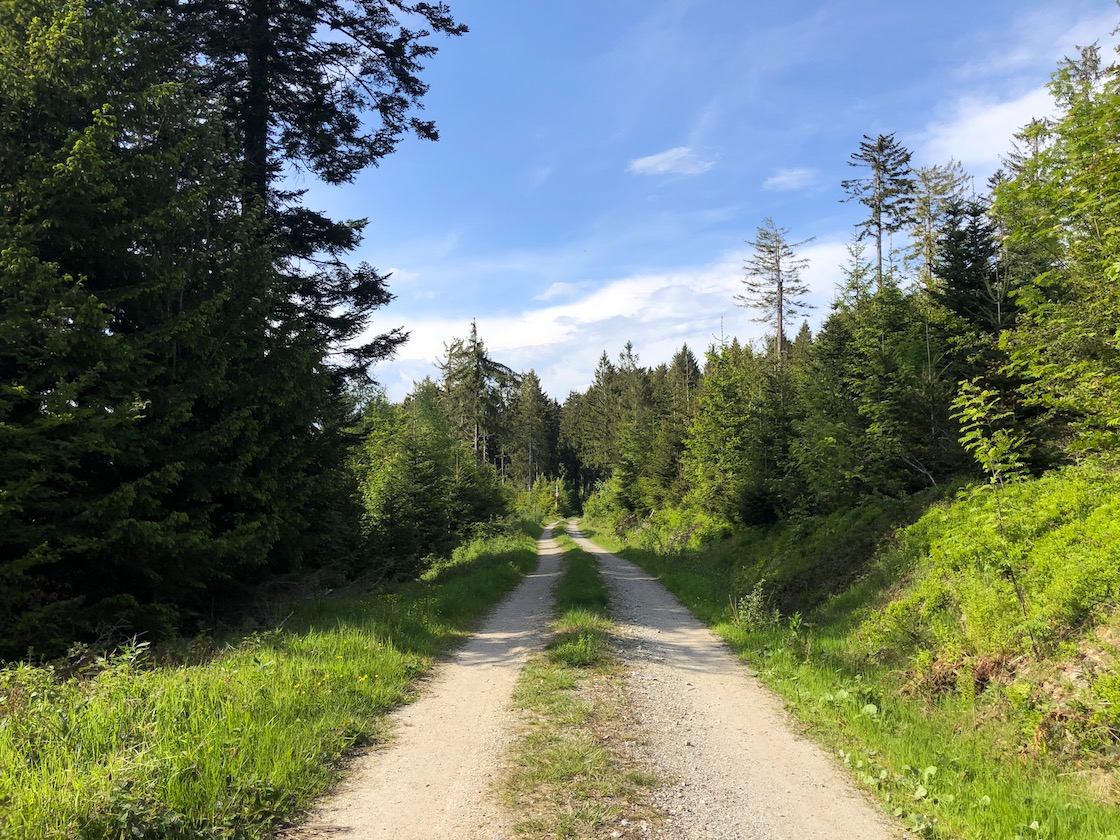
x: 569, y: 775
x: 239, y: 745
x: 996, y: 759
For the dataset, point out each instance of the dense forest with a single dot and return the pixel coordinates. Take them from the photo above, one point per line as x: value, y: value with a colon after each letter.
x: 186, y: 411
x: 181, y: 335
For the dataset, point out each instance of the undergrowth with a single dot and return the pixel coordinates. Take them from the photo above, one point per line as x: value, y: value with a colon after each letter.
x: 238, y: 745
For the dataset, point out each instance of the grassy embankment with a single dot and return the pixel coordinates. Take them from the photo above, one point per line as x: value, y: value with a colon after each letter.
x: 570, y: 775
x: 236, y: 744
x: 966, y: 670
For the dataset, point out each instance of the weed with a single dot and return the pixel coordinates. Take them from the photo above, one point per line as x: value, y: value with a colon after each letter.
x: 753, y: 611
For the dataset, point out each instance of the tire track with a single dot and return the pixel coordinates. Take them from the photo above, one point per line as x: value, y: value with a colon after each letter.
x: 739, y: 771
x: 434, y: 778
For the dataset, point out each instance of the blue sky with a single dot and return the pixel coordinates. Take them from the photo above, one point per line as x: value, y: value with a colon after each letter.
x: 602, y: 162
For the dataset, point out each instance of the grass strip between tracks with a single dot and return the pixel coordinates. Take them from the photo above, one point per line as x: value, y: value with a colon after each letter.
x: 572, y: 771
x: 238, y: 744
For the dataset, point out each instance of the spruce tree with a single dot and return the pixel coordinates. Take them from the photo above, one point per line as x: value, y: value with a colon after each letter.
x: 533, y: 432
x: 477, y: 391
x: 936, y: 188
x: 887, y: 192
x: 773, y: 283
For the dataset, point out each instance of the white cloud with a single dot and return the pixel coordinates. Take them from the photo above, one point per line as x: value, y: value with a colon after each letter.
x: 977, y: 131
x: 1037, y: 40
x: 657, y: 311
x: 539, y: 176
x: 790, y: 179
x: 681, y: 160
x: 1002, y: 84
x: 560, y: 290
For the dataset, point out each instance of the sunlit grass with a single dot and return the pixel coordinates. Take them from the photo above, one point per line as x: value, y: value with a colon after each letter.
x: 947, y: 766
x: 239, y: 745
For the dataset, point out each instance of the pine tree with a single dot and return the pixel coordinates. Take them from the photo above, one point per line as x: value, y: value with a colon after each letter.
x: 887, y: 192
x: 773, y: 283
x: 936, y: 189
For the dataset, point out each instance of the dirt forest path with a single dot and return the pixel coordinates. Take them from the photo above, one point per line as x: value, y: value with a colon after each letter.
x: 733, y: 768
x: 435, y: 778
x: 736, y: 770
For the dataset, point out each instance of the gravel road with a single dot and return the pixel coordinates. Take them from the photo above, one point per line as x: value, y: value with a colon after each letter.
x: 735, y: 768
x: 738, y: 770
x: 435, y: 777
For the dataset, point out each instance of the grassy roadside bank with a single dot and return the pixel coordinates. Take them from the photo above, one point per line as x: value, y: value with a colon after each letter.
x: 238, y: 745
x: 569, y: 772
x: 965, y: 760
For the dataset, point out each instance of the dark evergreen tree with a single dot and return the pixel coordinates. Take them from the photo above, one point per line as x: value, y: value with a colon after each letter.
x: 477, y: 391
x: 594, y: 428
x: 421, y: 486
x: 675, y: 389
x: 173, y: 325
x: 970, y: 283
x: 534, y: 432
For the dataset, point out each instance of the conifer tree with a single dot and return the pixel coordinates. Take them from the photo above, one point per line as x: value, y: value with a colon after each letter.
x: 773, y: 283
x: 534, y: 431
x: 887, y: 192
x: 477, y: 390
x: 1063, y: 221
x: 936, y: 188
x: 966, y: 265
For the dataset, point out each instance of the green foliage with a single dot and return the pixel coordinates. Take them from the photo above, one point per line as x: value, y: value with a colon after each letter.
x: 534, y: 433
x: 239, y: 744
x: 910, y: 663
x: 998, y: 450
x: 753, y: 611
x: 174, y: 351
x: 546, y: 500
x: 1061, y: 540
x: 1065, y: 344
x: 422, y: 487
x: 476, y: 389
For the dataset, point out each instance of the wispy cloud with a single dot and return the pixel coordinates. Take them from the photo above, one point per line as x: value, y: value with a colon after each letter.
x: 681, y: 160
x: 977, y: 131
x: 560, y: 290
x: 791, y: 179
x: 1002, y: 85
x: 659, y: 312
x: 539, y: 176
x: 1034, y: 41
